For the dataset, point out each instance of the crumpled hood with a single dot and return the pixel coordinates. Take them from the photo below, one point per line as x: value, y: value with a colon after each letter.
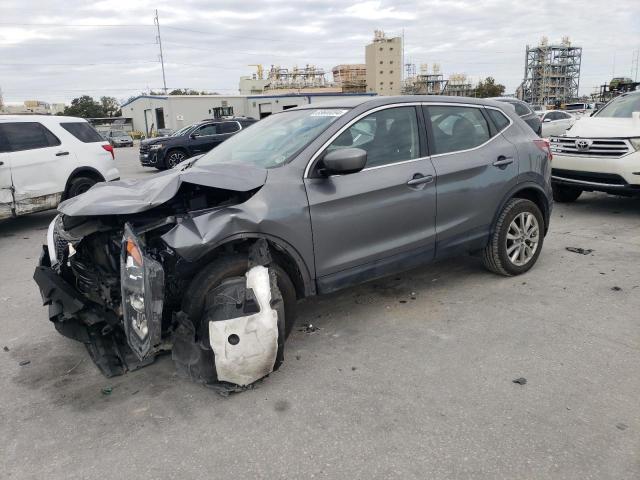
x: 137, y: 195
x: 605, y: 127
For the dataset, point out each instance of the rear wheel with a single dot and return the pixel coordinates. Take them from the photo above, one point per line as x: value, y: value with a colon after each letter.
x: 516, y: 242
x: 79, y: 185
x: 174, y: 157
x: 564, y: 194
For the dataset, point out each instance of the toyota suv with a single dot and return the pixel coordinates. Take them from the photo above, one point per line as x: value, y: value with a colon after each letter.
x: 167, y: 152
x: 600, y: 153
x: 45, y: 159
x: 208, y: 259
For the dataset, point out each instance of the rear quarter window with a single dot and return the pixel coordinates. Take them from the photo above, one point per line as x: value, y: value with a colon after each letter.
x: 521, y: 109
x: 498, y: 118
x: 82, y: 131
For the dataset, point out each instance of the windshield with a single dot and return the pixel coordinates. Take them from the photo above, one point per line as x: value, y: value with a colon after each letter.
x: 182, y: 131
x: 120, y: 134
x: 272, y: 141
x: 621, y: 107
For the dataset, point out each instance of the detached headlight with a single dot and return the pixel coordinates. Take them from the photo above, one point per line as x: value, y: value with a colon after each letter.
x: 635, y: 142
x: 142, y: 284
x: 156, y: 146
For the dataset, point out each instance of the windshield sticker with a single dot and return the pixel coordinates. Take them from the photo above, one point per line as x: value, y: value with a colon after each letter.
x: 333, y: 112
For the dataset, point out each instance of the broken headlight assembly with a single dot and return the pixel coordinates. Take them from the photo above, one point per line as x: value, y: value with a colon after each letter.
x: 142, y: 283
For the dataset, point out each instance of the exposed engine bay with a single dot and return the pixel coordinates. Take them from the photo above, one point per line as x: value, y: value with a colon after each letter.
x: 117, y: 282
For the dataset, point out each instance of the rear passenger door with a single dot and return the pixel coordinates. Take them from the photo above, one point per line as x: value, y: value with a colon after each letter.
x: 34, y: 152
x: 476, y: 166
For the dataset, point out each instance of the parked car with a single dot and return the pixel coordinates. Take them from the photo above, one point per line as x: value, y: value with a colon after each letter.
x: 524, y: 111
x: 120, y: 138
x: 556, y: 122
x: 580, y: 109
x: 209, y: 258
x: 196, y: 139
x: 164, y: 132
x: 600, y: 153
x: 45, y: 159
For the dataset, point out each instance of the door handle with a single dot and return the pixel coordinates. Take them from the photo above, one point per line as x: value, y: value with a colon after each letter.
x: 419, y: 179
x: 61, y: 154
x: 503, y: 161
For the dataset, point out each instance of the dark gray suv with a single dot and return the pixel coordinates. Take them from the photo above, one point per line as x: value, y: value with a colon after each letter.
x: 208, y: 260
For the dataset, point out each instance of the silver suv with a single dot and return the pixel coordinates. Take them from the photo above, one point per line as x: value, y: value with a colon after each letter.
x: 209, y: 259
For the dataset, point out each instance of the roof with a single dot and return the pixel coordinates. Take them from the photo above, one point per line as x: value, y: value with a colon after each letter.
x: 278, y: 95
x: 40, y: 118
x: 351, y: 102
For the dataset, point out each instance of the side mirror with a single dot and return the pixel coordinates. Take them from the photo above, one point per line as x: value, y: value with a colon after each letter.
x: 343, y: 161
x: 193, y: 136
x: 546, y: 120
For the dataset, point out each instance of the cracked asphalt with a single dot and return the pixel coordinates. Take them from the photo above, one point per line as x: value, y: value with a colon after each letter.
x: 406, y: 377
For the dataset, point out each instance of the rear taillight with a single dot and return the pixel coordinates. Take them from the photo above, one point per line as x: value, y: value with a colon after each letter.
x: 109, y: 149
x: 544, y: 145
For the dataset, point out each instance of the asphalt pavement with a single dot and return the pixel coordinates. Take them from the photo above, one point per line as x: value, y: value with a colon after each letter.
x: 406, y: 377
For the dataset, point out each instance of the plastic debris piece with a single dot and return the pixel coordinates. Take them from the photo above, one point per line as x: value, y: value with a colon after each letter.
x: 24, y: 362
x: 581, y: 251
x: 308, y: 328
x: 5, y: 348
x: 520, y: 381
x: 616, y: 288
x: 107, y: 390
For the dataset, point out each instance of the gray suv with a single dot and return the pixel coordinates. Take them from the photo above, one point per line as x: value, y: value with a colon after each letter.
x: 208, y: 260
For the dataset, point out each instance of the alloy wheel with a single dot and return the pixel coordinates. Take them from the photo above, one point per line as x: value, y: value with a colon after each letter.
x: 523, y: 238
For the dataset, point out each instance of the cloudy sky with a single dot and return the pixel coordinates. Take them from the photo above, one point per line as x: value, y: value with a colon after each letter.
x: 55, y: 50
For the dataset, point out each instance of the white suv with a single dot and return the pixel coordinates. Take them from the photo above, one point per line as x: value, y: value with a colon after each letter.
x: 600, y: 153
x: 47, y: 159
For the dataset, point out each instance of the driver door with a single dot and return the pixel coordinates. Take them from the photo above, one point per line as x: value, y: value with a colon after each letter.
x: 204, y: 138
x: 379, y: 220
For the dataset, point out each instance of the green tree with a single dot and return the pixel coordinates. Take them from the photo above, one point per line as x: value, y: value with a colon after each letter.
x: 489, y: 88
x: 110, y: 106
x: 85, y: 107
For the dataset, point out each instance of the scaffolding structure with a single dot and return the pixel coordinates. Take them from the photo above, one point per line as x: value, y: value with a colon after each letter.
x: 424, y: 83
x: 352, y: 78
x: 459, y: 86
x: 309, y: 76
x: 552, y: 72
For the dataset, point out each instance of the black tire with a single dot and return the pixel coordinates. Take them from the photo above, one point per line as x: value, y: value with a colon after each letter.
x: 565, y: 194
x: 175, y: 157
x: 494, y: 255
x: 79, y: 185
x: 228, y: 267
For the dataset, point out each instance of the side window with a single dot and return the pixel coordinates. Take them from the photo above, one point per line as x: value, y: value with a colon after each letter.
x: 457, y: 128
x: 553, y: 116
x: 388, y: 136
x: 521, y: 109
x: 83, y: 132
x: 229, y: 127
x: 210, y: 129
x: 498, y: 118
x: 27, y: 136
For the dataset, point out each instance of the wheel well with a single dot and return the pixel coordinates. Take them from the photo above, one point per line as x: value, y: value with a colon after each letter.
x: 537, y: 197
x: 280, y: 256
x: 82, y: 172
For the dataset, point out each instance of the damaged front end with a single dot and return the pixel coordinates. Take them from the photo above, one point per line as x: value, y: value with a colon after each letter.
x: 113, y: 280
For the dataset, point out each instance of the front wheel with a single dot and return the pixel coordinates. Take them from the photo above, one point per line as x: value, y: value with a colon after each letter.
x: 79, y: 185
x: 174, y: 157
x: 516, y: 242
x: 564, y: 194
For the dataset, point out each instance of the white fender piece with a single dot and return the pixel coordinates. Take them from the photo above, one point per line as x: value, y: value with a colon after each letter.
x: 245, y: 348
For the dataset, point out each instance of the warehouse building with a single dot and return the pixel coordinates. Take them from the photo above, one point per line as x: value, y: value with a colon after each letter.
x: 383, y: 58
x: 149, y: 113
